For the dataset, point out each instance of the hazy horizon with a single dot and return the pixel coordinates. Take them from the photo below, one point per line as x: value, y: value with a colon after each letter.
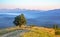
x: 30, y: 4
x: 27, y: 9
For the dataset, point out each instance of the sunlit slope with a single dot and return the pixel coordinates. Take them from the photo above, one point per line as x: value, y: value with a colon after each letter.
x: 39, y: 32
x: 31, y: 31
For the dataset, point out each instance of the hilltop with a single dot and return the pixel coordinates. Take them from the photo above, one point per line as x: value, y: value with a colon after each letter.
x: 35, y: 31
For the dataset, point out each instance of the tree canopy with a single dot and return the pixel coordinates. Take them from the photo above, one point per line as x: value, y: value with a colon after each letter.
x: 20, y: 20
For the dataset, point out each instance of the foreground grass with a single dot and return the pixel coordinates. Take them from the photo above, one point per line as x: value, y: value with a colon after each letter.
x: 39, y: 32
x: 57, y: 31
x: 33, y: 31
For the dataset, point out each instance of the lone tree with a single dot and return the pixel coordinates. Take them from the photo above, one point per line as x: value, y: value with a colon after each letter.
x: 20, y: 20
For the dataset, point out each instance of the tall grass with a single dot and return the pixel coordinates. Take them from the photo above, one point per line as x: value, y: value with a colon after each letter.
x: 39, y: 32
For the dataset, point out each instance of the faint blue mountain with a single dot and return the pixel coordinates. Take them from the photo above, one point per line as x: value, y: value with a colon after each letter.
x: 37, y: 17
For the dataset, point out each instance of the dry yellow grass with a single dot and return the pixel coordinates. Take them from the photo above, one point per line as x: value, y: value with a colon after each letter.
x: 57, y: 36
x: 12, y: 28
x: 49, y: 30
x: 41, y: 30
x: 35, y: 29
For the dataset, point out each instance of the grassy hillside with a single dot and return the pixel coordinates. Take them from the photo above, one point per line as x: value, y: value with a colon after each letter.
x: 33, y: 31
x: 39, y: 32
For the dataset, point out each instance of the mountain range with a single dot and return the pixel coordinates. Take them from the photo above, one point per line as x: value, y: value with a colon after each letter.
x: 36, y: 17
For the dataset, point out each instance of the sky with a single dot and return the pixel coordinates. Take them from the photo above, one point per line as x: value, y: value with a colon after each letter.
x: 30, y: 4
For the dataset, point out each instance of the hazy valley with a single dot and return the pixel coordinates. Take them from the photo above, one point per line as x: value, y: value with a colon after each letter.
x: 36, y: 17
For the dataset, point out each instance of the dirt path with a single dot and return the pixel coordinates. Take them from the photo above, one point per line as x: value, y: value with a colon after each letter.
x: 14, y: 34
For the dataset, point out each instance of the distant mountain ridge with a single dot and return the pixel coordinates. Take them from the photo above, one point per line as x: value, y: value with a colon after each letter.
x: 37, y: 17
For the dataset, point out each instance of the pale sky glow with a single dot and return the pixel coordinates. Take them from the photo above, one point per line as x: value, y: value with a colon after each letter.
x: 30, y: 4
